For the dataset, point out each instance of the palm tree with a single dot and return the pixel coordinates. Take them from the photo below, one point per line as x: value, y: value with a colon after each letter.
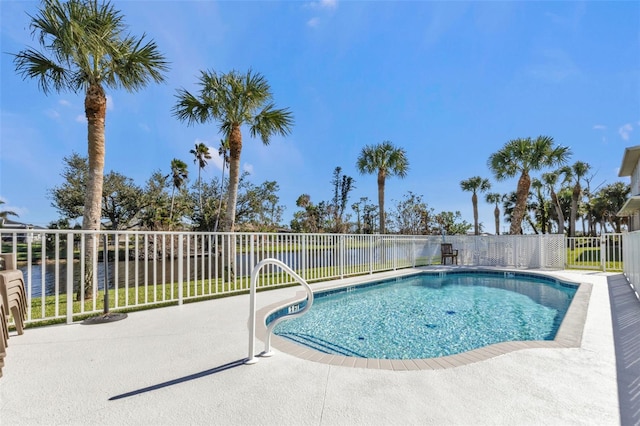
x: 86, y: 47
x: 522, y: 156
x: 386, y: 160
x: 578, y: 172
x: 234, y: 100
x: 550, y: 179
x: 495, y: 198
x: 201, y: 154
x: 475, y: 184
x: 179, y: 175
x: 223, y: 151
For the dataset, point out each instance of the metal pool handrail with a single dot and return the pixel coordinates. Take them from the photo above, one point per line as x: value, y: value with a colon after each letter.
x: 251, y: 359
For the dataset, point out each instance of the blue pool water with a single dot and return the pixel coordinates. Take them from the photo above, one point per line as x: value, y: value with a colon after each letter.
x: 429, y: 315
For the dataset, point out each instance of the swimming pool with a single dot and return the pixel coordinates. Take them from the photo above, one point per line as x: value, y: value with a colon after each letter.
x: 430, y: 315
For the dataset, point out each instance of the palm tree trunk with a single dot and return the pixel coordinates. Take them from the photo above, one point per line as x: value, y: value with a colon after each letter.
x: 381, y: 181
x: 556, y: 205
x: 235, y: 147
x: 215, y: 228
x: 95, y: 105
x: 95, y: 108
x: 173, y: 190
x: 200, y: 189
x: 522, y: 193
x: 474, y: 200
x: 574, y: 209
x: 496, y: 215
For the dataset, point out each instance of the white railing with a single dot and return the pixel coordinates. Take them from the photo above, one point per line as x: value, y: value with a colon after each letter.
x: 631, y: 252
x: 63, y: 267
x: 604, y: 252
x: 251, y: 359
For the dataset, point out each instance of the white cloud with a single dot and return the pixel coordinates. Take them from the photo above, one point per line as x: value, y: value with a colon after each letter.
x: 313, y: 22
x: 329, y: 4
x: 625, y: 130
x: 52, y: 113
x: 145, y: 127
x: 81, y: 118
x: 248, y: 168
x: 64, y: 102
x: 599, y: 127
x: 216, y: 159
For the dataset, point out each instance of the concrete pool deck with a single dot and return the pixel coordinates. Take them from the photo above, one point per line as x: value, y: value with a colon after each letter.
x: 184, y: 365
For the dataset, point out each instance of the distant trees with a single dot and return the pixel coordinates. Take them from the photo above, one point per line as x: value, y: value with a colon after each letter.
x: 121, y: 198
x: 412, y: 216
x: 342, y: 186
x: 579, y: 171
x: 179, y: 175
x: 325, y: 216
x: 201, y: 154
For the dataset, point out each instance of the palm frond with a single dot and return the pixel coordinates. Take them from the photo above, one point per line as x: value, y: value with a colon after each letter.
x: 271, y: 121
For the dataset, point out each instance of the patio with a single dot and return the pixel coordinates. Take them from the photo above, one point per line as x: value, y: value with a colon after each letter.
x: 183, y: 365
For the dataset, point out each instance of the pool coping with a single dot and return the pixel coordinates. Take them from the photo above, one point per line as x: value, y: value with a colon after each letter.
x: 569, y: 334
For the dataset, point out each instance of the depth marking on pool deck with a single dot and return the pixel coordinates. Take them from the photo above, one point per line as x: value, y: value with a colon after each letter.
x: 569, y: 335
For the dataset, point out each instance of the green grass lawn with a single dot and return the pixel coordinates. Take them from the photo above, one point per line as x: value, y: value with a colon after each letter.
x: 590, y: 257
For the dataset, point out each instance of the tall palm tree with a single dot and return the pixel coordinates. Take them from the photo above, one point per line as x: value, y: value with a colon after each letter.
x: 86, y: 47
x: 520, y: 157
x: 578, y: 172
x: 201, y: 154
x: 223, y: 151
x: 234, y: 100
x: 495, y: 198
x: 179, y: 175
x: 475, y: 184
x: 386, y: 160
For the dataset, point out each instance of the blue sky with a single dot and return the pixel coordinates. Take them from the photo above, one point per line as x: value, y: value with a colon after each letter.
x: 451, y: 82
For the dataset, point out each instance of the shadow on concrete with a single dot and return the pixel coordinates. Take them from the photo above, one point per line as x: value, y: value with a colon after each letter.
x: 625, y: 318
x: 194, y: 376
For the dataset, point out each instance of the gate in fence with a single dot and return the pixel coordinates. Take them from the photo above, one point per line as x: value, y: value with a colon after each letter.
x: 602, y: 253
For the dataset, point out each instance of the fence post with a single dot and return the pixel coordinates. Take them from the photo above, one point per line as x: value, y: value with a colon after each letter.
x: 180, y: 267
x: 70, y: 278
x: 370, y: 237
x: 603, y: 252
x: 343, y: 256
x: 413, y: 251
x: 303, y: 261
x: 540, y: 250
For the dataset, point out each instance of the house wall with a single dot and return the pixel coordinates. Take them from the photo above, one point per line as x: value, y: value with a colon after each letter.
x: 634, y: 220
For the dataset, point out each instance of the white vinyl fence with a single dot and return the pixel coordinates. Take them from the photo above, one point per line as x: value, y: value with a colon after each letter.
x: 631, y: 251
